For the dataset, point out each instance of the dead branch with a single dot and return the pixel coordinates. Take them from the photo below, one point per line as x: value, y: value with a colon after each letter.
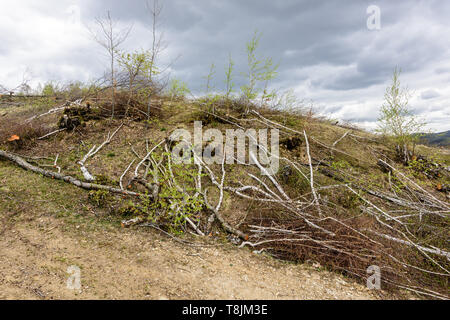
x: 340, y: 139
x: 436, y: 251
x: 92, y: 153
x: 55, y: 163
x: 136, y: 171
x: 215, y: 210
x: 54, y: 110
x: 84, y: 185
x: 124, y: 173
x: 131, y: 222
x: 311, y: 174
x: 51, y: 133
x: 444, y: 205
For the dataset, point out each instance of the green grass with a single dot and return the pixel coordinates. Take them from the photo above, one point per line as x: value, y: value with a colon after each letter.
x: 30, y: 195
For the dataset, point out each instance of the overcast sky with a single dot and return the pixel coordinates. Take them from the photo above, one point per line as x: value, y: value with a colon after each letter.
x: 327, y: 53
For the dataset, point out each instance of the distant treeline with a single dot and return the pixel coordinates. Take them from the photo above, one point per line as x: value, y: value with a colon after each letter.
x: 441, y: 139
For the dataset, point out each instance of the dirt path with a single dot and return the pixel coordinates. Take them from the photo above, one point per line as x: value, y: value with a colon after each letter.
x: 140, y: 264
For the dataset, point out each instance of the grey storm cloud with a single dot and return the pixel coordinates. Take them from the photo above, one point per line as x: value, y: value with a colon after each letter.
x: 429, y: 94
x: 325, y: 51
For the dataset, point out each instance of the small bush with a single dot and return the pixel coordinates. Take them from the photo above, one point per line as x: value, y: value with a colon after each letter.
x: 135, y: 107
x: 177, y: 89
x: 99, y: 198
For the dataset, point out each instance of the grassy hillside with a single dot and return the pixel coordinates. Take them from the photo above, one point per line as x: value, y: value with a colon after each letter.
x: 342, y: 198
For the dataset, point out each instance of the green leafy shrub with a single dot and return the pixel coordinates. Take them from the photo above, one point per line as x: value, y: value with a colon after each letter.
x: 177, y: 199
x: 100, y: 198
x: 177, y: 89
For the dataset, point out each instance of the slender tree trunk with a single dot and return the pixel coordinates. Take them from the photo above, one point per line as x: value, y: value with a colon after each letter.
x: 113, y: 86
x: 130, y: 94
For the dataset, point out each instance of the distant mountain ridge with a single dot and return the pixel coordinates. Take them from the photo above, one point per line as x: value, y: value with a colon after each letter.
x: 441, y: 139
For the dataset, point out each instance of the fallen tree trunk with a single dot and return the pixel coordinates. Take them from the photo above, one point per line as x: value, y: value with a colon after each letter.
x: 92, y: 186
x: 54, y: 175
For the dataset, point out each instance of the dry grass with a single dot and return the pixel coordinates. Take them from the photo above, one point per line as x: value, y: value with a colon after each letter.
x: 26, y: 133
